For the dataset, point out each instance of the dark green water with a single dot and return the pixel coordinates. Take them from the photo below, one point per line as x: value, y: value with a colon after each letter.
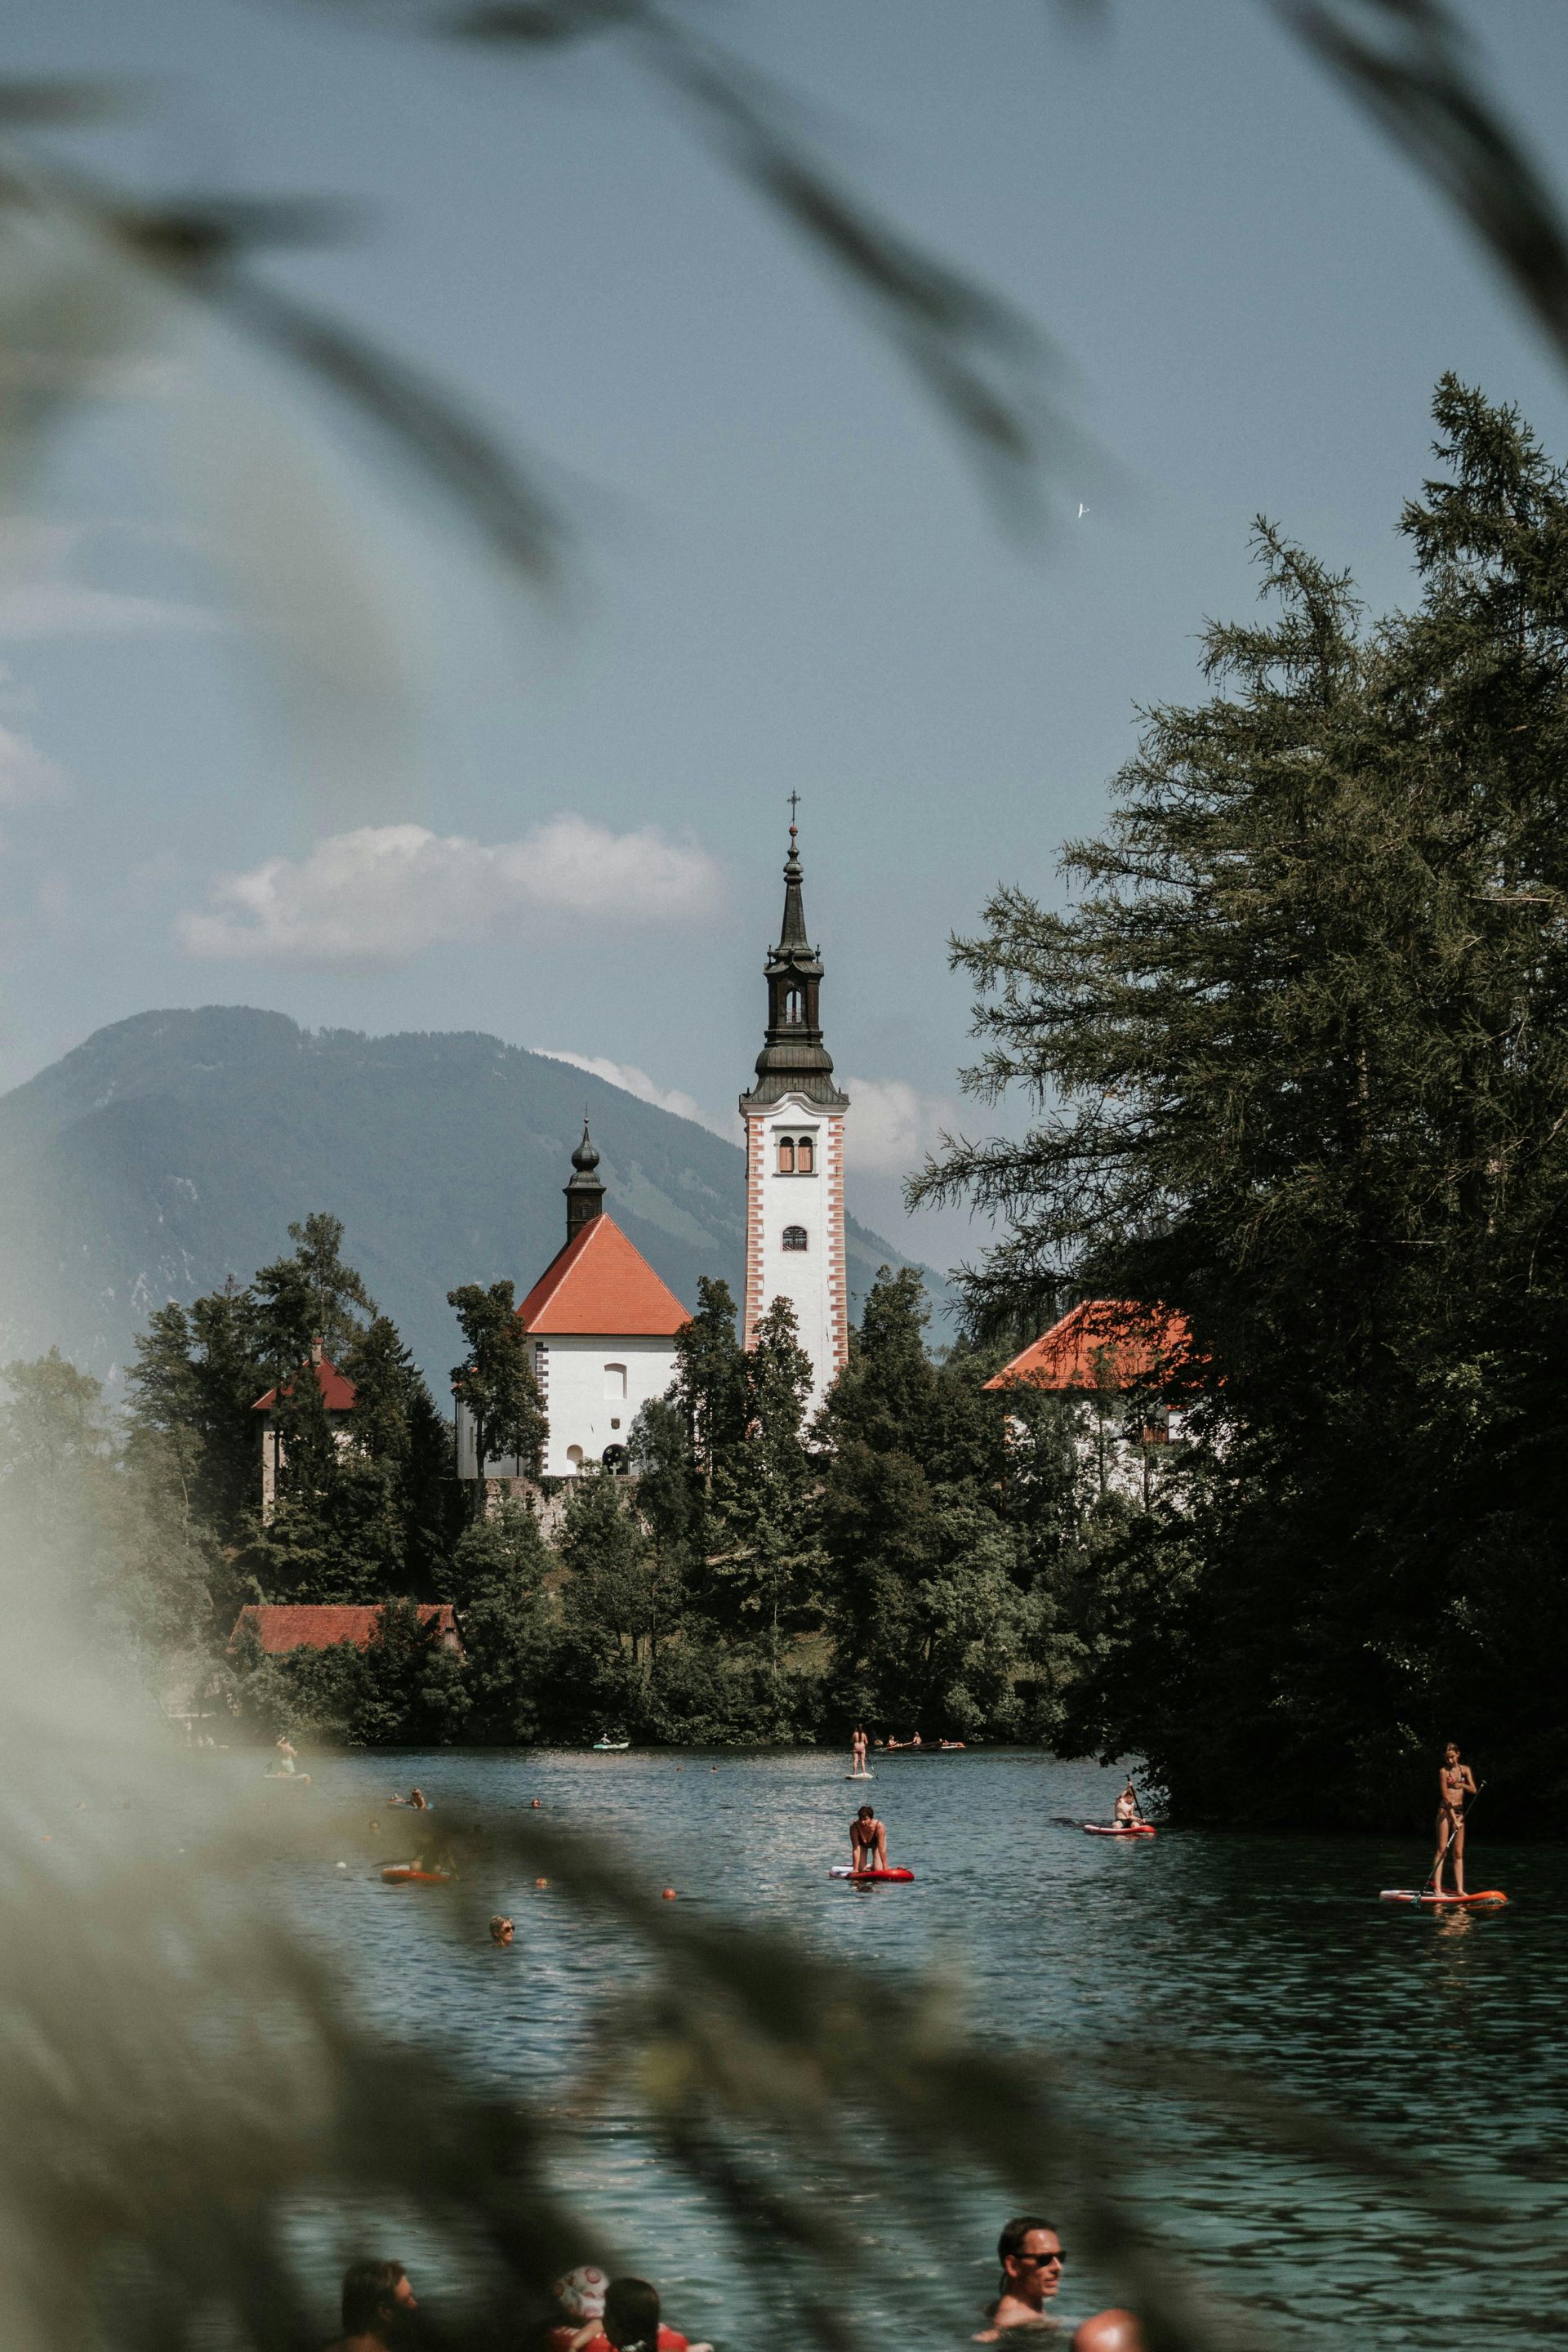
x: 1436, y: 2036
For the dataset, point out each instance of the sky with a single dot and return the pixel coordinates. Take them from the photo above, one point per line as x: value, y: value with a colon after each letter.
x: 563, y: 823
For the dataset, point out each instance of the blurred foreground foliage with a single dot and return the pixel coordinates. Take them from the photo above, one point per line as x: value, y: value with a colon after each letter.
x: 203, y: 2126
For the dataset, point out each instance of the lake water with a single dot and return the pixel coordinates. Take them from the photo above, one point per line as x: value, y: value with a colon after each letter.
x: 1439, y: 2036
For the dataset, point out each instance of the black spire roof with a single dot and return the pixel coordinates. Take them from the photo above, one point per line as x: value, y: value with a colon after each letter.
x: 585, y: 1189
x: 794, y: 1059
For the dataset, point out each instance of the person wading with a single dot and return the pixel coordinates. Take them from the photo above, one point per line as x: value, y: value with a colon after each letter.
x: 378, y: 2308
x: 1031, y: 2256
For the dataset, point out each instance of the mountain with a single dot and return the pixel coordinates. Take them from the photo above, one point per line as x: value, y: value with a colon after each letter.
x: 174, y: 1149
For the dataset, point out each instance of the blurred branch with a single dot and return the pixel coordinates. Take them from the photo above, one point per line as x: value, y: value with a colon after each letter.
x: 1411, y: 65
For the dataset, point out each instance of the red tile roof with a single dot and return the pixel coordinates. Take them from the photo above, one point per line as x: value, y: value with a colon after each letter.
x: 600, y: 1284
x: 1101, y: 1341
x: 299, y: 1625
x: 337, y: 1393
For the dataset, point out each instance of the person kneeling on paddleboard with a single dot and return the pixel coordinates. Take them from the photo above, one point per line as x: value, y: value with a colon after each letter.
x: 1128, y: 1808
x: 1456, y: 1781
x: 868, y: 1841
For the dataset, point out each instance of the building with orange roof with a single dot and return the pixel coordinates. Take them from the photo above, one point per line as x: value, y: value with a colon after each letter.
x: 602, y: 1326
x: 280, y: 1626
x: 1110, y: 1361
x: 337, y: 1400
x: 1100, y: 1344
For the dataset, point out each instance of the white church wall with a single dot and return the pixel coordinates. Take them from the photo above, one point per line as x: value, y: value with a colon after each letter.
x: 593, y: 1389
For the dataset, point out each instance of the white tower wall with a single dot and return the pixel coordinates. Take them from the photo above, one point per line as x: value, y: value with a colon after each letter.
x: 782, y: 1200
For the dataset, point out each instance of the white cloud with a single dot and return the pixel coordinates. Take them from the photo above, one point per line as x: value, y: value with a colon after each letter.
x: 376, y: 898
x: 26, y: 772
x: 42, y: 597
x: 633, y: 1081
x: 891, y: 1126
x: 63, y: 608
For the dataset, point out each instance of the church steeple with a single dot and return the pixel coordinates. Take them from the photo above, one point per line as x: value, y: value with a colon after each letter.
x: 794, y: 1059
x: 585, y: 1189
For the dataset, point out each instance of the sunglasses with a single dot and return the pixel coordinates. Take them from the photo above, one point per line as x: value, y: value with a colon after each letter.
x: 1056, y: 2254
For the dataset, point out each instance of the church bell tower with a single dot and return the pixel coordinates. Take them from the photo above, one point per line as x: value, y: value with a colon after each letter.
x: 794, y: 1156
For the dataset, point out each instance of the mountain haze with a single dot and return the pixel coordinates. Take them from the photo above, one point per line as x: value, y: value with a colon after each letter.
x: 174, y: 1149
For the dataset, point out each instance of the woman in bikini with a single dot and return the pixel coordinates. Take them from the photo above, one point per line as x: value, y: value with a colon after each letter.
x: 1456, y: 1781
x: 868, y: 1841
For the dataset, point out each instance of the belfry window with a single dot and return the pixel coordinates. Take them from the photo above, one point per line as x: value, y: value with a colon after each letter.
x: 795, y: 1237
x: 804, y: 1157
x: 793, y: 1004
x: 787, y: 1155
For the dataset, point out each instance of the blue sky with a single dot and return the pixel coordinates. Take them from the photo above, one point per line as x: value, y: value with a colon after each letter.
x: 785, y: 575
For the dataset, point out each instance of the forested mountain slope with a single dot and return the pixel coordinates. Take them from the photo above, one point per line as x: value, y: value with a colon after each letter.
x: 175, y: 1147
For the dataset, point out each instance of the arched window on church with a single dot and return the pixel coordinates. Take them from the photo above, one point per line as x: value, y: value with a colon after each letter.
x: 804, y: 1157
x: 793, y: 1004
x: 787, y: 1155
x: 614, y: 1382
x: 795, y: 1237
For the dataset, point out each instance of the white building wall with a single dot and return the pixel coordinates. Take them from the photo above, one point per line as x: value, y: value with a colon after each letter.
x: 814, y: 1278
x: 593, y: 1389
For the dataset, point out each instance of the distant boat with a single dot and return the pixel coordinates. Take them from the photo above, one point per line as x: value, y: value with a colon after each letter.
x: 610, y: 1746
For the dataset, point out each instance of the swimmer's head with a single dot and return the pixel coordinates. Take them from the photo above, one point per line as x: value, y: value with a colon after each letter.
x: 501, y: 1929
x: 866, y: 1813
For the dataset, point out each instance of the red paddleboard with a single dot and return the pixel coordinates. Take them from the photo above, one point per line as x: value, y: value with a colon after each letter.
x: 1490, y: 1895
x: 1120, y: 1829
x: 402, y: 1874
x: 842, y: 1870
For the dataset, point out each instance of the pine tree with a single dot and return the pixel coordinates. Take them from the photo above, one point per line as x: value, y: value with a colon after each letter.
x: 497, y: 1380
x: 1302, y: 1056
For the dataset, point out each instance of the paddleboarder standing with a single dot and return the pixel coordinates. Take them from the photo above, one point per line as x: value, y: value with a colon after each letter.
x: 858, y: 1747
x: 1455, y: 1783
x: 868, y: 1841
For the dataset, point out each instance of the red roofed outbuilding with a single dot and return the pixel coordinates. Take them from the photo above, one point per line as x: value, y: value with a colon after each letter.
x: 1112, y: 1363
x: 337, y: 1397
x: 1101, y: 1344
x: 602, y: 1327
x: 280, y: 1626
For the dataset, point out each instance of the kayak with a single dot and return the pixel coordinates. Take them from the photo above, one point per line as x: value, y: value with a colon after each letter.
x: 610, y: 1746
x: 403, y: 1874
x: 888, y: 1878
x: 1489, y: 1894
x: 1119, y: 1829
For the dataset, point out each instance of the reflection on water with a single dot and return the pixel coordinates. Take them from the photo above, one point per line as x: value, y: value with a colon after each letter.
x: 1439, y: 2036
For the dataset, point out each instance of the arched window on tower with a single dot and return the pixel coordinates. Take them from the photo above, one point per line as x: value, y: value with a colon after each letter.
x: 787, y: 1155
x: 795, y: 1237
x: 793, y: 1004
x: 614, y: 1382
x: 804, y: 1157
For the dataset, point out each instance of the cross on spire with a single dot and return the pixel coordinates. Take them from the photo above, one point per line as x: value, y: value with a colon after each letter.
x: 794, y: 804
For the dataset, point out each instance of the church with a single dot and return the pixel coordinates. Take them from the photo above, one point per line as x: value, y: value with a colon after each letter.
x: 602, y: 1325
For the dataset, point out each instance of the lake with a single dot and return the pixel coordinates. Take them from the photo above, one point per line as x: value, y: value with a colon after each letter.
x: 1439, y: 2036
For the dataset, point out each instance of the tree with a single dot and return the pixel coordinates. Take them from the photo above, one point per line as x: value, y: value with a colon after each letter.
x: 709, y: 1386
x: 927, y: 1609
x: 312, y: 1298
x: 497, y: 1382
x: 497, y: 1580
x: 1299, y: 1049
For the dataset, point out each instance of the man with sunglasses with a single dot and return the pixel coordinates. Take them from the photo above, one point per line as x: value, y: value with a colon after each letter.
x: 1031, y: 2256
